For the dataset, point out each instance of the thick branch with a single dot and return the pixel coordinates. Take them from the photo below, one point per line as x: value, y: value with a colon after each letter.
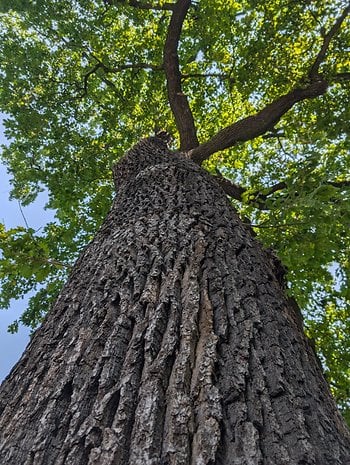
x: 177, y: 99
x: 341, y: 77
x: 236, y: 191
x: 256, y: 125
x: 326, y: 41
x: 230, y: 188
x: 258, y: 198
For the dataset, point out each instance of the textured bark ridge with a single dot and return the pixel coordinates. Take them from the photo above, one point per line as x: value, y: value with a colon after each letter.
x: 171, y: 344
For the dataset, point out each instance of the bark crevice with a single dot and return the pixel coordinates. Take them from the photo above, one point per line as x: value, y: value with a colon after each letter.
x: 171, y: 343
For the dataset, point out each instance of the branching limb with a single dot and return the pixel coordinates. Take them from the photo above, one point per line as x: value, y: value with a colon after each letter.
x: 177, y: 99
x: 258, y: 198
x: 326, y: 41
x: 236, y: 192
x: 256, y: 125
x: 230, y: 188
x: 340, y: 77
x: 86, y: 78
x: 125, y: 66
x: 114, y: 70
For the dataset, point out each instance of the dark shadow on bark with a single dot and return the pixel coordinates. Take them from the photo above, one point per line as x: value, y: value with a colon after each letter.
x: 171, y: 343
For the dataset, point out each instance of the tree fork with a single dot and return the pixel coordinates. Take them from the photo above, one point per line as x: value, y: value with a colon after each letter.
x: 171, y: 343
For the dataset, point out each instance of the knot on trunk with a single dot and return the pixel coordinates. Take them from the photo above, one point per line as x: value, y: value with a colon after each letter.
x: 148, y: 152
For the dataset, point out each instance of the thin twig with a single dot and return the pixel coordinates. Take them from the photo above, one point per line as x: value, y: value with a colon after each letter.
x: 277, y: 226
x: 205, y: 75
x: 339, y: 184
x: 142, y: 5
x: 114, y: 70
x: 23, y: 216
x: 86, y: 78
x: 52, y: 261
x: 326, y: 42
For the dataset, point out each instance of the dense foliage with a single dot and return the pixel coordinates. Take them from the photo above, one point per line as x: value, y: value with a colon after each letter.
x: 81, y: 81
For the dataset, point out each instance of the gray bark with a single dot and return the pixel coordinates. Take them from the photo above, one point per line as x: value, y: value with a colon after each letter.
x: 171, y: 343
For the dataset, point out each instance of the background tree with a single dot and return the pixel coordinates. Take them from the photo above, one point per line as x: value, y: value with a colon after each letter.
x: 90, y: 78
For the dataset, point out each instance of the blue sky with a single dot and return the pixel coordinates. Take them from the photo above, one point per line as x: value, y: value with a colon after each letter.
x: 13, y: 345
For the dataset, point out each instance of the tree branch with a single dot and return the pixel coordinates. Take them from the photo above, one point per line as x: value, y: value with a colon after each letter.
x: 230, y: 188
x: 136, y: 66
x: 142, y: 5
x: 205, y: 75
x: 86, y: 78
x: 326, y: 41
x: 103, y: 79
x: 123, y: 67
x: 340, y: 77
x: 117, y: 69
x: 177, y: 99
x: 339, y: 184
x: 256, y: 125
x: 258, y: 198
x: 236, y: 192
x: 52, y: 261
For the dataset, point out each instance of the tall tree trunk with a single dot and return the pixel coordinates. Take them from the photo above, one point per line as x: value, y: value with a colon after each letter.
x: 172, y: 343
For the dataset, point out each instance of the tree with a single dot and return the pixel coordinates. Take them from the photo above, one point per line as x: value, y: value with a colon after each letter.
x: 172, y: 338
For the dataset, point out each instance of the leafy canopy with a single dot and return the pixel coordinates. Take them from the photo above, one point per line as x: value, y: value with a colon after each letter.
x: 82, y: 81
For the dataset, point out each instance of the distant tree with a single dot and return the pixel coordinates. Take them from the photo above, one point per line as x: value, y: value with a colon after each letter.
x: 255, y: 92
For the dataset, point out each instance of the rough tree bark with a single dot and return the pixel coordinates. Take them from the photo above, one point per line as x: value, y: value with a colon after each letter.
x: 171, y: 343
